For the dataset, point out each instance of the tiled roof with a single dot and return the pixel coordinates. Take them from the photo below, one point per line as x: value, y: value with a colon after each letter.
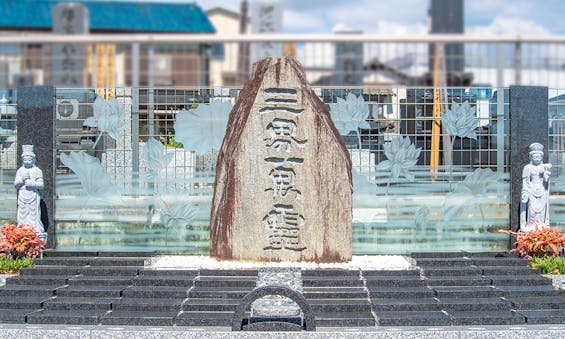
x: 120, y: 16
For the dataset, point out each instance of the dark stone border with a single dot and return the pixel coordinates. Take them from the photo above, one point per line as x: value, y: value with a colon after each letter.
x: 309, y: 321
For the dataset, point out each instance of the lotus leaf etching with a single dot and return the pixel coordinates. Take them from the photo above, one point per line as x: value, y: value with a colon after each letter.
x: 109, y: 116
x: 170, y: 209
x: 203, y: 128
x: 93, y: 178
x: 468, y: 192
x: 155, y: 157
x: 349, y: 115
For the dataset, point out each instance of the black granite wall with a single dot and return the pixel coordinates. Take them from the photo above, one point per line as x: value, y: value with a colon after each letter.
x: 35, y: 126
x: 528, y: 124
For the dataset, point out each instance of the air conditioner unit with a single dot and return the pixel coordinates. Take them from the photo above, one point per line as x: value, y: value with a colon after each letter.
x: 67, y: 109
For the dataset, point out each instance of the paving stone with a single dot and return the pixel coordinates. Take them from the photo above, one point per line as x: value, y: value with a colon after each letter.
x: 486, y: 318
x: 434, y: 318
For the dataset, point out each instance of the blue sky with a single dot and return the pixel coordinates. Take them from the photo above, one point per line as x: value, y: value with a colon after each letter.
x: 410, y: 16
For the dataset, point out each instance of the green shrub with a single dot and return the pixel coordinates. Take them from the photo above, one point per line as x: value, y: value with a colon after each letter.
x: 549, y: 265
x: 10, y: 266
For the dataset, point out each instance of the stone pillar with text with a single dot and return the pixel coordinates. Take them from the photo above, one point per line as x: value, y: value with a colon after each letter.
x: 283, y: 189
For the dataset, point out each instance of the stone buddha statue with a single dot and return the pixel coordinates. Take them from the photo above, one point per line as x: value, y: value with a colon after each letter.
x: 28, y: 182
x: 534, y: 203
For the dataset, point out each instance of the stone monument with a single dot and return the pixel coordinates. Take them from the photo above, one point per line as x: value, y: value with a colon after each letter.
x: 283, y: 177
x: 28, y: 182
x: 534, y: 204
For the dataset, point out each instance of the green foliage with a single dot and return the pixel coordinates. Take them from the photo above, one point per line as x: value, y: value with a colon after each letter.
x: 549, y: 265
x: 10, y: 266
x: 171, y: 142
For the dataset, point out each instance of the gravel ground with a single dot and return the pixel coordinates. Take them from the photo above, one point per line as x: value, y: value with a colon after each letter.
x: 367, y: 262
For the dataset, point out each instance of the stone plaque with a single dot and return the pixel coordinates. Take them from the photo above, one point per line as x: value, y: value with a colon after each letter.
x: 266, y: 17
x: 68, y: 59
x: 283, y: 178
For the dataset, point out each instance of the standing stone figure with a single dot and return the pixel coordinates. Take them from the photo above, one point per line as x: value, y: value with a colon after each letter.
x: 534, y: 204
x: 28, y: 182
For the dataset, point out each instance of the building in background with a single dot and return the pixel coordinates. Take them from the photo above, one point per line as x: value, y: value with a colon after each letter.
x: 30, y: 64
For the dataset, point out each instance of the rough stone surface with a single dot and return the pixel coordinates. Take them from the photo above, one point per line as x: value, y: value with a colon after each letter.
x: 283, y: 180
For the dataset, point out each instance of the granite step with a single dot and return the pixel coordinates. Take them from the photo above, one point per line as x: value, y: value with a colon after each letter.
x: 120, y: 261
x: 204, y: 318
x: 228, y: 273
x: 544, y: 316
x: 510, y: 270
x: 168, y: 273
x: 529, y: 291
x: 18, y: 302
x: 344, y: 319
x: 529, y: 280
x: 110, y: 271
x: 91, y: 291
x: 48, y: 270
x: 413, y: 318
x: 467, y: 292
x: 499, y: 317
x: 64, y: 261
x: 219, y: 293
x: 155, y: 292
x: 388, y: 273
x: 329, y: 273
x: 16, y: 315
x: 225, y: 281
x: 24, y: 291
x: 210, y: 305
x: 340, y: 305
x: 401, y: 293
x: 80, y: 304
x: 137, y: 318
x: 396, y: 305
x: 148, y: 304
x: 474, y: 304
x: 452, y: 272
x: 89, y: 280
x: 73, y: 317
x: 169, y: 281
x: 37, y: 280
x: 426, y: 263
x: 394, y: 281
x: 489, y: 262
x: 538, y: 303
x: 457, y: 281
x: 334, y: 292
x: 336, y: 281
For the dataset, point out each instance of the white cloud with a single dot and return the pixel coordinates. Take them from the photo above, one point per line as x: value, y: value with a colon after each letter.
x: 395, y: 28
x: 294, y: 21
x: 504, y: 25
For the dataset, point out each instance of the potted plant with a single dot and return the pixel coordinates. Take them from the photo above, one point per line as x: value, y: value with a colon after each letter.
x: 18, y: 246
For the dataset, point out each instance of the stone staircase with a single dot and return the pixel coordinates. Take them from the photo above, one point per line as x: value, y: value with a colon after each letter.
x: 119, y: 289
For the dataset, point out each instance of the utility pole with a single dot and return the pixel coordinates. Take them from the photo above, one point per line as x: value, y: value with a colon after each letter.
x: 243, y: 53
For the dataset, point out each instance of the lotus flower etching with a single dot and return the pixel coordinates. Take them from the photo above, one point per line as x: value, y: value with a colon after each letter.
x: 350, y: 114
x: 109, y: 116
